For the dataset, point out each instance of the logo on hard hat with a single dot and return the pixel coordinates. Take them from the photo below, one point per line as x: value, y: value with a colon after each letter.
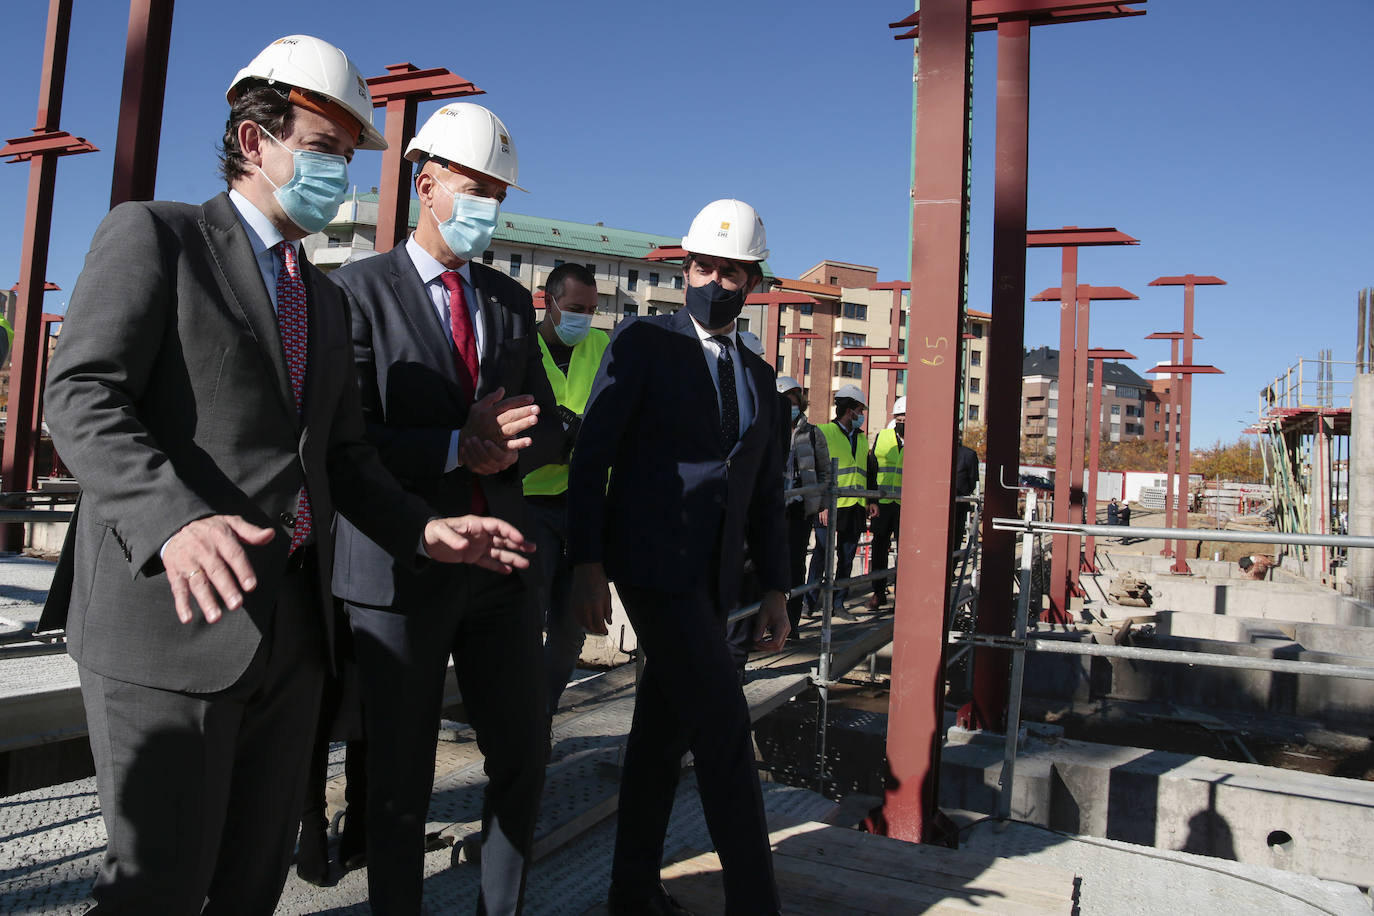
x: 286, y: 41
x: 362, y: 87
x: 725, y: 226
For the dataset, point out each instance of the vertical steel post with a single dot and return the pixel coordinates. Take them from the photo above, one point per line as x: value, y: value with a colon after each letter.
x: 822, y: 677
x: 1080, y: 417
x: 1064, y: 435
x: 1094, y: 447
x: 1171, y: 428
x: 939, y: 239
x: 1003, y: 397
x: 140, y: 103
x: 1018, y: 666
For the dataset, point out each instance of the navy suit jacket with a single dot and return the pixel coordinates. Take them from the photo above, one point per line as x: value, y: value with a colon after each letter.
x: 679, y: 508
x: 412, y: 400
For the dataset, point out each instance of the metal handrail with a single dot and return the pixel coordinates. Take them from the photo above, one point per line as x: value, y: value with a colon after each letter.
x: 1186, y: 534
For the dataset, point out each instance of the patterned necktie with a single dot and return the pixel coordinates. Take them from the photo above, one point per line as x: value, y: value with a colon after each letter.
x: 294, y: 323
x: 729, y: 397
x: 460, y: 326
x: 464, y: 357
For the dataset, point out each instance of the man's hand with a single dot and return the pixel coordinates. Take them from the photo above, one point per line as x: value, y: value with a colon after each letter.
x: 487, y: 542
x: 771, y: 625
x: 490, y: 439
x: 823, y: 517
x: 206, y: 560
x: 872, y: 510
x: 591, y: 598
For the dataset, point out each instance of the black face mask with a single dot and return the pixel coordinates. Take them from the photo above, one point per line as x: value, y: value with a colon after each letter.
x: 713, y: 306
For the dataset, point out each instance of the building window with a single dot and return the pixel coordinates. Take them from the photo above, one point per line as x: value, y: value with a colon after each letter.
x: 975, y: 357
x: 742, y: 323
x: 973, y: 412
x: 807, y: 308
x: 677, y: 282
x: 975, y: 385
x: 977, y: 330
x: 632, y: 280
x: 855, y: 310
x: 515, y: 265
x: 331, y: 242
x: 901, y: 377
x: 653, y: 279
x: 591, y: 269
x: 853, y: 340
x: 846, y: 369
x: 1116, y: 410
x: 806, y: 366
x: 630, y: 307
x: 834, y: 281
x: 782, y: 361
x: 1156, y: 426
x: 488, y: 256
x: 557, y: 263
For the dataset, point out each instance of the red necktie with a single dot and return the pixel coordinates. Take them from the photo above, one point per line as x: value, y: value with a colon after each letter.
x: 464, y: 357
x: 460, y: 326
x: 294, y: 323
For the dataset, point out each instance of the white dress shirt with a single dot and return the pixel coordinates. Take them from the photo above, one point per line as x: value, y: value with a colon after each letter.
x: 429, y: 268
x: 743, y: 386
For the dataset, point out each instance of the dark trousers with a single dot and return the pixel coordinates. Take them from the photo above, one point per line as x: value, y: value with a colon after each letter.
x: 201, y: 793
x: 884, y: 527
x: 816, y: 571
x: 798, y: 538
x: 690, y: 698
x: 563, y: 635
x: 490, y: 626
x: 848, y: 529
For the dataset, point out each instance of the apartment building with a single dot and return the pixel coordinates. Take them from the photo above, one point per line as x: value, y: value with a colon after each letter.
x: 1124, y: 396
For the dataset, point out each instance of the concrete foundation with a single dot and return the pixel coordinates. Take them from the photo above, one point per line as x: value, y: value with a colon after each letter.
x: 1316, y: 825
x: 1360, y: 569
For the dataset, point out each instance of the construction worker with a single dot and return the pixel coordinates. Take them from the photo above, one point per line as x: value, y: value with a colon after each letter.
x: 884, y: 513
x: 439, y: 340
x: 808, y: 463
x: 203, y: 396
x: 686, y: 422
x: 846, y: 442
x: 571, y: 349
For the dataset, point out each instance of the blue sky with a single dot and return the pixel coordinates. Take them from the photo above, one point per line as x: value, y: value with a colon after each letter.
x: 1230, y: 138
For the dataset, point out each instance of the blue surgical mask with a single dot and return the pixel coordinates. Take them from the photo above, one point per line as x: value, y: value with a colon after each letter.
x: 858, y: 421
x: 468, y: 230
x: 796, y: 414
x: 572, y: 327
x: 317, y: 186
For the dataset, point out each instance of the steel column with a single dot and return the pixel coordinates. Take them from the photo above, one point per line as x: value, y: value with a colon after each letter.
x: 1064, y: 434
x: 140, y: 103
x: 1080, y: 419
x: 41, y: 151
x: 1002, y: 400
x: 939, y: 240
x: 1094, y: 443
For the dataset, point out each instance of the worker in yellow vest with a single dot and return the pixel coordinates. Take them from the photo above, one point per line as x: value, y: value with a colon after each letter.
x: 571, y: 350
x: 884, y: 513
x: 847, y: 444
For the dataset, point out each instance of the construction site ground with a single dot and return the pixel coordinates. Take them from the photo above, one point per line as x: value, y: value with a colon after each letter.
x: 51, y: 838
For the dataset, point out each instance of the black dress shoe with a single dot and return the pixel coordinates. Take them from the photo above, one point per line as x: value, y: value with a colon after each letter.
x: 656, y: 902
x: 312, y: 858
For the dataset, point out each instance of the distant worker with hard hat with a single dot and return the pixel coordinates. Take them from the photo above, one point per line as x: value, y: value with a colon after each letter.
x: 688, y: 426
x: 203, y: 396
x: 885, y: 512
x: 847, y: 444
x: 455, y: 396
x: 808, y: 464
x: 571, y: 349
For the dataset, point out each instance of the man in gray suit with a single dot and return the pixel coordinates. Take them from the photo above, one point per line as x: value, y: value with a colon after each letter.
x: 439, y: 340
x: 204, y: 396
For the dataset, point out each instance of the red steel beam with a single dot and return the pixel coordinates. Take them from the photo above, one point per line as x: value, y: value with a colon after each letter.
x: 989, y: 14
x: 1189, y: 282
x: 938, y: 246
x: 897, y: 287
x: 773, y: 303
x: 140, y: 103
x: 1097, y: 355
x: 16, y: 467
x: 401, y: 90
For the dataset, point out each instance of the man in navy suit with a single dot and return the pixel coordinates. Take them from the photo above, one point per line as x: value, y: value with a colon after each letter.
x: 688, y: 426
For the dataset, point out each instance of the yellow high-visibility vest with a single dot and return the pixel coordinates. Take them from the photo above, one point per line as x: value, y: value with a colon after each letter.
x: 853, y: 464
x: 887, y: 449
x: 571, y: 391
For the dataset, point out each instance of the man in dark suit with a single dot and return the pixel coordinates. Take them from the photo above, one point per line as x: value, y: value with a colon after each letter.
x: 204, y: 396
x: 688, y: 425
x: 438, y: 341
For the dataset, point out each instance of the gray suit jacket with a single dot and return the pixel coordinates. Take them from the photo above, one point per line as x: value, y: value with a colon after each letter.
x: 412, y: 400
x: 168, y: 397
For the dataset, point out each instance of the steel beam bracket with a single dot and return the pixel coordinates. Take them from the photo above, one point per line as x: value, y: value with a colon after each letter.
x: 46, y: 143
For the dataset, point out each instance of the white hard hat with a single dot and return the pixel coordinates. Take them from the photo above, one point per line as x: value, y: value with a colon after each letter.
x: 471, y: 136
x: 316, y: 66
x: 899, y: 406
x: 727, y: 229
x: 751, y: 340
x: 787, y: 383
x: 853, y: 392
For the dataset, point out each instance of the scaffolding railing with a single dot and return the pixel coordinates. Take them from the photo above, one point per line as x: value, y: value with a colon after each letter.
x: 1020, y: 642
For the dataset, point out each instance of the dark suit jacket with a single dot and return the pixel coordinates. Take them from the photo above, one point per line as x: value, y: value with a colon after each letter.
x: 168, y: 397
x: 679, y: 508
x: 412, y: 401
